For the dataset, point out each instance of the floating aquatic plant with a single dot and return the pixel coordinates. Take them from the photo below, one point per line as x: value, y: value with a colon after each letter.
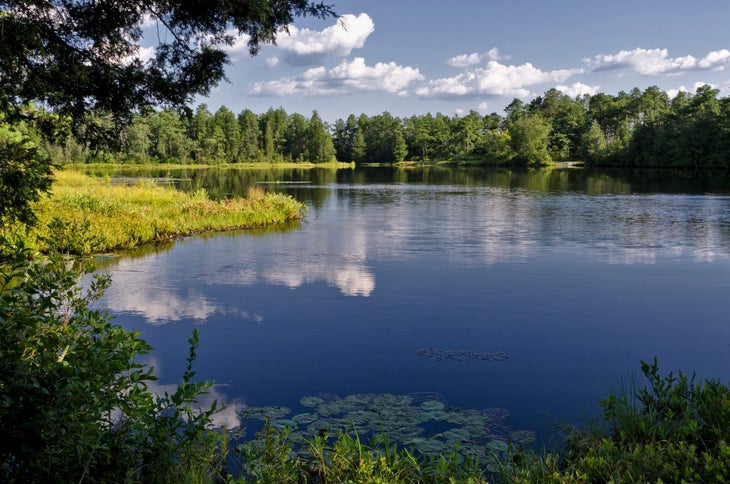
x: 311, y: 401
x: 432, y: 405
x: 437, y: 354
x: 305, y: 418
x: 423, y: 422
x: 264, y: 413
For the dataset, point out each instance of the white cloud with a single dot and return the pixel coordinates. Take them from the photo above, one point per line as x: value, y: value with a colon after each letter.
x: 349, y: 77
x: 717, y: 59
x: 672, y: 93
x: 272, y: 61
x: 578, y: 89
x: 305, y: 46
x: 146, y: 53
x: 466, y: 60
x: 493, y: 54
x: 240, y: 44
x: 495, y: 79
x: 652, y: 62
x: 148, y: 20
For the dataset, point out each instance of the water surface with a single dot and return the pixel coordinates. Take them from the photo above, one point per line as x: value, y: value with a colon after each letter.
x: 575, y: 276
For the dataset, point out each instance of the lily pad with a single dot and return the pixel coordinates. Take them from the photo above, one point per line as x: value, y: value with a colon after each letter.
x: 437, y: 415
x: 454, y: 436
x: 498, y: 446
x: 432, y: 405
x: 438, y: 354
x: 429, y: 446
x: 423, y: 421
x: 263, y: 413
x: 311, y: 401
x: 305, y: 418
x: 284, y: 423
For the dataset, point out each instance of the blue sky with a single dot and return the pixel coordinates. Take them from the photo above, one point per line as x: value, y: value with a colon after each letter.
x: 413, y: 57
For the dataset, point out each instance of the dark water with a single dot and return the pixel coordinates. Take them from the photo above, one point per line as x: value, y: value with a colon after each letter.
x: 575, y: 276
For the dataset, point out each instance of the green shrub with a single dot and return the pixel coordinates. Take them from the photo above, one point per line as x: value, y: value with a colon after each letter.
x: 672, y: 430
x: 74, y: 404
x: 273, y: 458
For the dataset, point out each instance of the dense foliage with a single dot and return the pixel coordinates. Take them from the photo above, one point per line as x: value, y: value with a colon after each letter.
x: 637, y: 129
x: 79, y: 57
x: 25, y: 173
x: 74, y: 403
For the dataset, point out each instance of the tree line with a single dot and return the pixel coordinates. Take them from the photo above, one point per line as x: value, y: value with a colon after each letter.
x: 638, y: 128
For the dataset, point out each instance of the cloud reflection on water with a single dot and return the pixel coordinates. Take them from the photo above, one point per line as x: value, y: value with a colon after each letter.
x: 227, y: 417
x: 357, y: 226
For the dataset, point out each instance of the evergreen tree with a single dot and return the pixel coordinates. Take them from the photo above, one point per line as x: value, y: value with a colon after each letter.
x: 250, y: 135
x: 320, y: 148
x: 297, y: 138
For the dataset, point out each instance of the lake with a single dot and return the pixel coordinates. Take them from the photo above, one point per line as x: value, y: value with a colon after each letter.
x: 527, y: 292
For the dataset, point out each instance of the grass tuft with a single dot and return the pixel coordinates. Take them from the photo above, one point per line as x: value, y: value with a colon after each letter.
x: 84, y: 215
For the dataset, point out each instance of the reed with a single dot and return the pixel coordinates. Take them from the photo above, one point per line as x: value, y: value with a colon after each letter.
x: 84, y: 215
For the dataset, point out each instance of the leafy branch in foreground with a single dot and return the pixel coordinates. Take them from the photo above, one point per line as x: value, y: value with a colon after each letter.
x: 25, y: 174
x: 74, y: 404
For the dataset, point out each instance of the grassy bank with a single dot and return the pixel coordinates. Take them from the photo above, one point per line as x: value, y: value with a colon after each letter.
x: 84, y: 215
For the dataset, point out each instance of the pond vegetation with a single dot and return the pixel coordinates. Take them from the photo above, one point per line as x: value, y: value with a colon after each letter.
x: 85, y: 215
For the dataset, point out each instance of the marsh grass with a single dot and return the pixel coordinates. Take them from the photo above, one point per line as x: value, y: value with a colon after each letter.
x: 271, y: 458
x: 85, y: 215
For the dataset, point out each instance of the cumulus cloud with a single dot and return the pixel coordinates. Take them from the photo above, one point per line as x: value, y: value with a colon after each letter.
x: 240, y: 44
x: 307, y: 47
x: 349, y: 77
x: 672, y: 93
x: 466, y: 60
x: 578, y: 89
x: 495, y: 79
x: 652, y: 62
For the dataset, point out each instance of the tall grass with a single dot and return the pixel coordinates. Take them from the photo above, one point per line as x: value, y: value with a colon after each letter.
x: 271, y: 458
x: 84, y: 215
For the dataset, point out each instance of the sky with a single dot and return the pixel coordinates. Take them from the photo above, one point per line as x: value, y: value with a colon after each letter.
x: 412, y: 57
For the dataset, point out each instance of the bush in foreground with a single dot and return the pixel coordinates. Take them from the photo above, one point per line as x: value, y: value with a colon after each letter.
x: 74, y: 404
x: 673, y: 430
